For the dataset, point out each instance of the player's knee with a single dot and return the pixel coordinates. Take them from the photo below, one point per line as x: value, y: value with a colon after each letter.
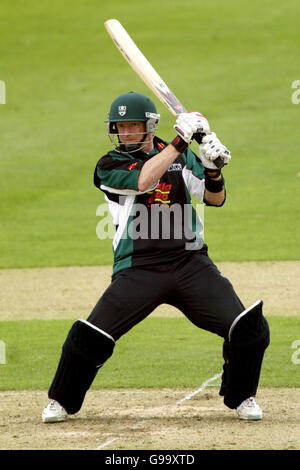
x: 87, y: 344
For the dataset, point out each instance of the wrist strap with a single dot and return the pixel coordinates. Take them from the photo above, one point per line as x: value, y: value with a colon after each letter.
x: 212, y: 173
x: 180, y: 144
x: 214, y: 186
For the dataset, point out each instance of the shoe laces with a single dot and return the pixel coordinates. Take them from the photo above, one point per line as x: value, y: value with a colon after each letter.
x: 251, y: 402
x: 53, y: 404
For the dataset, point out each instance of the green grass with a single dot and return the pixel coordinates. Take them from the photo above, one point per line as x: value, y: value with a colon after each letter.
x: 157, y: 353
x: 236, y: 64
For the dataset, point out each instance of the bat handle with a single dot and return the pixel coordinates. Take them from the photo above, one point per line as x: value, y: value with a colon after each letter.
x: 219, y: 162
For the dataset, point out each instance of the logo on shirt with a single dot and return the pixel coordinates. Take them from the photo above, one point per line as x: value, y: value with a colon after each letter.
x: 175, y: 167
x: 161, y: 194
x: 122, y: 110
x: 131, y: 167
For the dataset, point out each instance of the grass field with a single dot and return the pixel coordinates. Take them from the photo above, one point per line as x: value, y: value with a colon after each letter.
x: 235, y: 61
x: 62, y: 71
x: 158, y: 353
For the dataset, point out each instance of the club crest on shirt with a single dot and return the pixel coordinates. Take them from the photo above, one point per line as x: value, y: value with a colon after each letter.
x: 122, y: 110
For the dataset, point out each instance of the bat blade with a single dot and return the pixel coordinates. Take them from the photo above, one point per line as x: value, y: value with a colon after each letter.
x: 147, y: 73
x: 142, y: 66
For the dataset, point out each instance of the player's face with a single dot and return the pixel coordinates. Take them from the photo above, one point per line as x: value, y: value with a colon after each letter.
x: 132, y: 132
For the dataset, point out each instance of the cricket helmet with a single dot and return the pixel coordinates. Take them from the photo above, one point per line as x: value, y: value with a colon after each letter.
x: 133, y: 106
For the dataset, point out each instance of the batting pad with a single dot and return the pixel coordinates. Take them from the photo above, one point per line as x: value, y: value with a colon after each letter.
x: 84, y: 351
x: 243, y: 352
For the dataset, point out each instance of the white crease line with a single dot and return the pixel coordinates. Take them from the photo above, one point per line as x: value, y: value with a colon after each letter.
x: 107, y: 443
x: 142, y: 421
x: 200, y: 389
x: 187, y: 397
x: 139, y: 423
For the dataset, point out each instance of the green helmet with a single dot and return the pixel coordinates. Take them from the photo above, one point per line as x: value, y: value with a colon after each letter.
x: 133, y: 106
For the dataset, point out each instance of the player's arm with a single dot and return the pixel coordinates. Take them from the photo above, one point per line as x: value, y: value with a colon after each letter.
x: 186, y: 125
x: 156, y: 166
x: 216, y: 195
x: 202, y: 177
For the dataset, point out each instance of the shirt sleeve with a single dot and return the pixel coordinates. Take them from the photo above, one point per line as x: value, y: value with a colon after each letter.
x: 119, y: 175
x: 193, y: 175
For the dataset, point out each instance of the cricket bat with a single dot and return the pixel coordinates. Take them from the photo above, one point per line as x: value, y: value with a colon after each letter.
x: 147, y: 73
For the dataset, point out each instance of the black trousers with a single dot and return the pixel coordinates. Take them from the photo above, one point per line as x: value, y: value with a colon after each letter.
x: 194, y: 285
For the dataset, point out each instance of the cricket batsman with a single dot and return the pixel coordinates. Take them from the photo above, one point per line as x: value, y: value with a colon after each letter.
x: 160, y: 257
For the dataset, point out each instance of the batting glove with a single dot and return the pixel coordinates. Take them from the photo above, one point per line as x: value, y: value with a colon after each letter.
x: 187, y: 124
x: 210, y: 149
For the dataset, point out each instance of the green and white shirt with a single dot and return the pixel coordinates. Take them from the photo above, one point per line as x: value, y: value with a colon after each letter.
x: 160, y: 224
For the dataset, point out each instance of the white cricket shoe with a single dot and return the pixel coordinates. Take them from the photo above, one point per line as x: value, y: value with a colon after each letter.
x: 249, y: 410
x: 54, y: 413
